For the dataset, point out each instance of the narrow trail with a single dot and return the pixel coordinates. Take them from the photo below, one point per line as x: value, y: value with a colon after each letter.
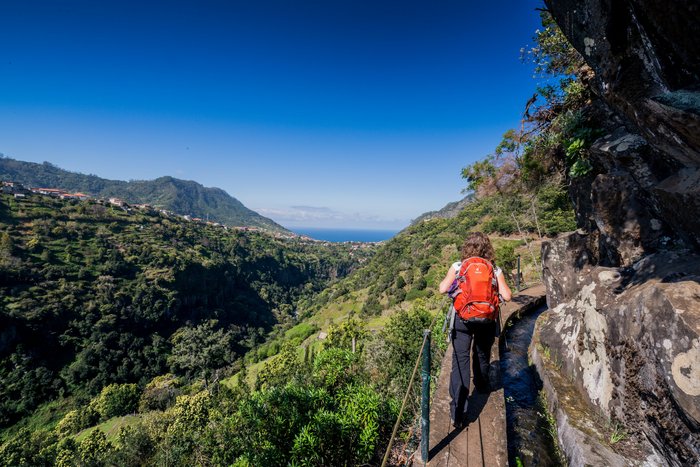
x: 483, y: 442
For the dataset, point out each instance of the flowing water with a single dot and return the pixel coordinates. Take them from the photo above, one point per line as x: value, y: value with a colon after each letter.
x: 530, y: 440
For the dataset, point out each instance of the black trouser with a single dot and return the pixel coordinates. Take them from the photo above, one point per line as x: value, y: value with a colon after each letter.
x: 482, y: 334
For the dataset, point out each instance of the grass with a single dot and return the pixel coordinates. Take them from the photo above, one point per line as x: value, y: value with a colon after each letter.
x: 617, y: 433
x: 110, y: 427
x: 551, y: 425
x: 301, y: 330
x: 338, y: 311
x: 45, y: 417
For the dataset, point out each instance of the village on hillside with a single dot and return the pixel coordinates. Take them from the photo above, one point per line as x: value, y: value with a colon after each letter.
x: 19, y: 192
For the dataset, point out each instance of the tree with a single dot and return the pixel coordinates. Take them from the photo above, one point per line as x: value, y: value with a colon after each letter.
x: 94, y: 450
x: 159, y: 394
x: 400, y: 282
x: 6, y: 244
x: 342, y: 335
x: 117, y: 399
x: 372, y: 306
x: 201, y: 350
x: 478, y: 173
x: 553, y: 54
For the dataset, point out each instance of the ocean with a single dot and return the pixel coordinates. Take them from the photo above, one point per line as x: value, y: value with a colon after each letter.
x: 346, y: 235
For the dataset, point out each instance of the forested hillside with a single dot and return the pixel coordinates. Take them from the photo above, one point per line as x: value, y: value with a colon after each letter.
x: 448, y: 211
x: 92, y: 295
x: 184, y: 197
x: 411, y: 265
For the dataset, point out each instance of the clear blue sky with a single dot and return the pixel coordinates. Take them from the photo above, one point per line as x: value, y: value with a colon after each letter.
x: 357, y: 113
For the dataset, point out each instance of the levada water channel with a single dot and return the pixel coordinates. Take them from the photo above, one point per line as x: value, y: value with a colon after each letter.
x: 531, y: 432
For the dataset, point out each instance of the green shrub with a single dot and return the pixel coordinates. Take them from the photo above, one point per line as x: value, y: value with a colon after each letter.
x: 333, y: 368
x: 341, y: 335
x: 95, y: 449
x: 555, y: 210
x: 400, y: 282
x: 502, y: 224
x: 117, y: 399
x: 415, y: 293
x: 279, y: 369
x: 70, y: 423
x: 372, y: 307
x: 400, y: 295
x: 159, y: 394
x: 506, y: 258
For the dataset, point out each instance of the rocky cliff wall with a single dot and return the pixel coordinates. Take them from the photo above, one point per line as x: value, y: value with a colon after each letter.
x: 628, y: 339
x: 624, y: 291
x: 646, y: 58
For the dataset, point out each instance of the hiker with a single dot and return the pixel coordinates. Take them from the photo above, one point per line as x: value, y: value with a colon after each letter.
x: 476, y: 286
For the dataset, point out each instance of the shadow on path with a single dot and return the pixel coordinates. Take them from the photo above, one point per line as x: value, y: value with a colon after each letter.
x: 477, y: 402
x: 475, y: 405
x: 445, y: 441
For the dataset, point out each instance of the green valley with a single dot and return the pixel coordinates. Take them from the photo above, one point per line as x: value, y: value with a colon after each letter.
x: 93, y: 295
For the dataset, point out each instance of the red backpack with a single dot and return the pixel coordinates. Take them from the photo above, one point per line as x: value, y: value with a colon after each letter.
x: 477, y: 290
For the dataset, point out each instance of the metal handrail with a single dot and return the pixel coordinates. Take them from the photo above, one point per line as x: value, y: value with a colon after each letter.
x: 410, y: 384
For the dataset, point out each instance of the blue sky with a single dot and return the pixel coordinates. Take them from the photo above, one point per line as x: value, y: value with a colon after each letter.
x: 315, y: 113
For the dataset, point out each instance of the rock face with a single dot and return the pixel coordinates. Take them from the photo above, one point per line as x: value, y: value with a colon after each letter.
x: 647, y: 71
x: 624, y: 291
x: 629, y: 204
x: 629, y: 338
x: 647, y: 63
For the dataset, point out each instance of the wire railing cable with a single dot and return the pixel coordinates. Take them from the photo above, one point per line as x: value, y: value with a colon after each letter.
x: 410, y: 384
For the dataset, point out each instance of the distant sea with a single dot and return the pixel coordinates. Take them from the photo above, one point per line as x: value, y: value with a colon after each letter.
x: 346, y: 235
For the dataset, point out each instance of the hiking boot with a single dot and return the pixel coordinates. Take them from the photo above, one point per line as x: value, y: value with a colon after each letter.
x: 458, y: 424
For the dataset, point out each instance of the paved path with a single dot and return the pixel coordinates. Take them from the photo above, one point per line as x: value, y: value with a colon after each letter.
x: 483, y: 442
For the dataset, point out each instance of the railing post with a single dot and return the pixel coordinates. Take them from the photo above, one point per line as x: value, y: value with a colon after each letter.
x: 425, y: 399
x: 517, y: 276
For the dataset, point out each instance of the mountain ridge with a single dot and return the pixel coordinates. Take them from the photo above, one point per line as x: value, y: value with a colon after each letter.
x: 449, y: 211
x: 186, y: 197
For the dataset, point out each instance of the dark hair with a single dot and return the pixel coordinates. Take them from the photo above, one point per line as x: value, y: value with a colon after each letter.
x: 477, y: 244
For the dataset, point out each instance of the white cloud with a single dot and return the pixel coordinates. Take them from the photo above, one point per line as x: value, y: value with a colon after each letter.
x: 321, y: 216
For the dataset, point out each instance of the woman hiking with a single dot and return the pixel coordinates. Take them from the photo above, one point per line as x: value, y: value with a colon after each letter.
x: 477, y: 286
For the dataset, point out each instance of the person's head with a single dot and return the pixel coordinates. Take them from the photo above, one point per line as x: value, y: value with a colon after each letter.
x: 477, y: 244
